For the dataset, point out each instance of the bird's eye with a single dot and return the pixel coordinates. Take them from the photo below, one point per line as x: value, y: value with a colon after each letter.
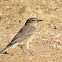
x: 32, y: 20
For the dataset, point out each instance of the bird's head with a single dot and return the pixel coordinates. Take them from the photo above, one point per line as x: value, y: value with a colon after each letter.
x: 32, y: 21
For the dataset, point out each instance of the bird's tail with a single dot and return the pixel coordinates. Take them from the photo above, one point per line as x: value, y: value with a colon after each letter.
x: 3, y: 51
x: 11, y: 45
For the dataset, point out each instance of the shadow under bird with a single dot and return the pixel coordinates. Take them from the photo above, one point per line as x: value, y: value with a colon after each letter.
x: 24, y: 36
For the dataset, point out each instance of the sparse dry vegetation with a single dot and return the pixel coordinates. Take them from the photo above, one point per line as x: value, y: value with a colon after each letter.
x: 22, y: 10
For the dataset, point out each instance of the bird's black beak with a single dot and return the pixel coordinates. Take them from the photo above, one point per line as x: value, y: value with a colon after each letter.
x: 40, y: 20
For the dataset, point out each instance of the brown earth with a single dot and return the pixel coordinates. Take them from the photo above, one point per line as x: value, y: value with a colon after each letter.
x: 47, y: 44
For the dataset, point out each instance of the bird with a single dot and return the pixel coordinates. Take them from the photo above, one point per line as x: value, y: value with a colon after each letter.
x: 24, y: 36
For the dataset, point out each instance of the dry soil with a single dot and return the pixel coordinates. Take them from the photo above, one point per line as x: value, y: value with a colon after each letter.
x: 46, y: 46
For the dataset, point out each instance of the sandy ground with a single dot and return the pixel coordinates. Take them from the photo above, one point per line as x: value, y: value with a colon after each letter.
x: 46, y: 46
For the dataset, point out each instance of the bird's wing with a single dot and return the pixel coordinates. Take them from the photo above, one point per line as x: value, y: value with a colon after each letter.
x: 24, y: 33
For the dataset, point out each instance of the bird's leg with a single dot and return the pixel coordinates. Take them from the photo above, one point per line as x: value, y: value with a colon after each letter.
x: 23, y: 51
x: 28, y: 49
x: 30, y: 52
x: 28, y: 42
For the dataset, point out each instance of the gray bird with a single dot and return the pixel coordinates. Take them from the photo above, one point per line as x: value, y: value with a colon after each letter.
x: 24, y: 36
